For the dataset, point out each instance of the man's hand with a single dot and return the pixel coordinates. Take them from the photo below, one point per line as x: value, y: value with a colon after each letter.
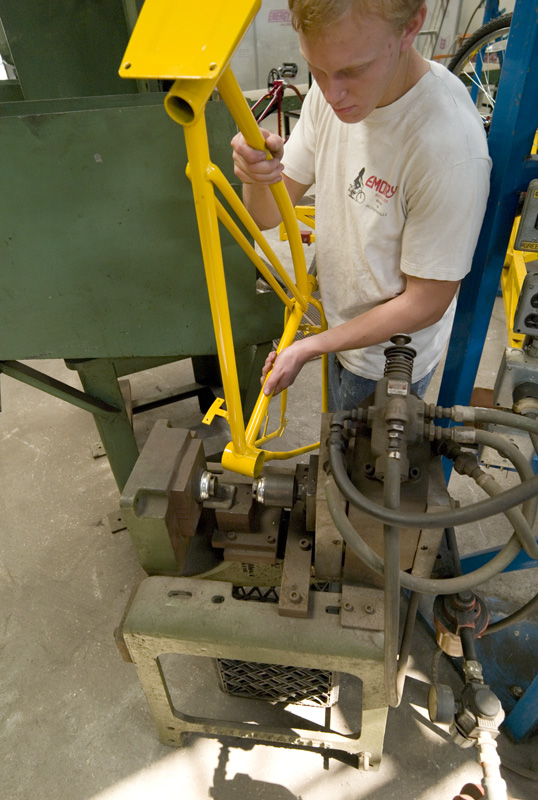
x: 284, y: 368
x: 253, y: 166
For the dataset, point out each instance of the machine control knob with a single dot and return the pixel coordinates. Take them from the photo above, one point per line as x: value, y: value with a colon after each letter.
x: 441, y: 705
x: 486, y: 703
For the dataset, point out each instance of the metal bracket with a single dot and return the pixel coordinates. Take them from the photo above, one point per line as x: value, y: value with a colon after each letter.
x: 516, y: 367
x: 248, y: 548
x: 527, y: 233
x: 32, y: 377
x: 295, y: 588
x: 362, y: 607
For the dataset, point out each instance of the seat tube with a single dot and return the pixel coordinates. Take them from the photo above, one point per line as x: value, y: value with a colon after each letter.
x: 208, y: 225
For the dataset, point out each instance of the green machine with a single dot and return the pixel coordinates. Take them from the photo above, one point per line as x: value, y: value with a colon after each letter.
x: 101, y: 263
x: 282, y: 594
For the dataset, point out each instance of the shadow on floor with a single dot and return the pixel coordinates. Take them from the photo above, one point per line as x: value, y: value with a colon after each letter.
x: 244, y: 786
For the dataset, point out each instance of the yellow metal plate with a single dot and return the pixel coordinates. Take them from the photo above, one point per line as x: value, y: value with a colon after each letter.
x: 185, y: 38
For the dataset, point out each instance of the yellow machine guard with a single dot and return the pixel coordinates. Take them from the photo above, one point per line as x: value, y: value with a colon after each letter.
x: 185, y: 39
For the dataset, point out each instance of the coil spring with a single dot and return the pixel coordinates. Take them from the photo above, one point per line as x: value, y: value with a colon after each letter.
x: 399, y: 359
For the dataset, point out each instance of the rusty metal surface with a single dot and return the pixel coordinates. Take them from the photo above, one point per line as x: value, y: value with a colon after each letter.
x: 146, y: 502
x: 295, y: 587
x: 240, y: 514
x: 202, y: 618
x: 250, y: 548
x: 362, y: 607
x: 329, y: 543
x: 311, y: 492
x: 430, y: 540
x: 427, y: 549
x: 183, y: 492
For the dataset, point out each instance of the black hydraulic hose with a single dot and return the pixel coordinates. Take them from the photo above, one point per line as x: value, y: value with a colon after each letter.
x: 519, y: 494
x: 467, y: 464
x: 468, y: 644
x: 460, y: 516
x: 516, y: 457
x: 466, y: 634
x: 391, y: 543
x: 407, y: 638
x: 414, y: 582
x: 519, y: 615
x: 514, y: 515
x: 452, y: 544
x: 510, y: 451
x: 496, y: 417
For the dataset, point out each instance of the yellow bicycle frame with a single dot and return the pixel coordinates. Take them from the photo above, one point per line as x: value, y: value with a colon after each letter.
x: 193, y: 44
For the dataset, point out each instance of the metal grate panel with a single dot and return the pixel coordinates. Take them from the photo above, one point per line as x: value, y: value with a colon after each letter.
x: 256, y: 593
x: 276, y: 683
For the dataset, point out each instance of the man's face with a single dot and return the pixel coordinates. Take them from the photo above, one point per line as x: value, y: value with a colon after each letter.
x: 357, y: 65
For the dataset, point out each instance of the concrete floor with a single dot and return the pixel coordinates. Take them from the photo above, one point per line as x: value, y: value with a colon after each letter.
x: 75, y: 720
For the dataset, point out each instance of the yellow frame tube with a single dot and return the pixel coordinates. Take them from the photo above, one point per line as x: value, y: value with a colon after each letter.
x: 324, y: 358
x: 206, y: 215
x: 237, y: 206
x: 238, y: 107
x: 186, y: 104
x: 260, y: 265
x: 306, y: 215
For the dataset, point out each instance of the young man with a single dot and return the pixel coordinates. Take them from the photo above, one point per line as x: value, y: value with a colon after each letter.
x: 399, y: 158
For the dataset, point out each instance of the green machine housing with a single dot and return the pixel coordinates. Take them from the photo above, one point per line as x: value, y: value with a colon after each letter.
x: 101, y: 262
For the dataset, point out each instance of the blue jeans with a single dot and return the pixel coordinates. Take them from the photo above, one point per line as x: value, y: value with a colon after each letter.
x: 347, y: 390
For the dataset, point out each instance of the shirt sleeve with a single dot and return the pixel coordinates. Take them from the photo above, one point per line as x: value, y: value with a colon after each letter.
x: 444, y: 217
x: 300, y: 150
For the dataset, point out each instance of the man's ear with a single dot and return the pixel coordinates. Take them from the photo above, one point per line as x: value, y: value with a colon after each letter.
x: 412, y: 29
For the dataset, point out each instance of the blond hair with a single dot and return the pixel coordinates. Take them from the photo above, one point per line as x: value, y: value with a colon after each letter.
x: 307, y: 16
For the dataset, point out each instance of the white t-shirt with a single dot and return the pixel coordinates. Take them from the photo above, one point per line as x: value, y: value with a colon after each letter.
x: 401, y: 193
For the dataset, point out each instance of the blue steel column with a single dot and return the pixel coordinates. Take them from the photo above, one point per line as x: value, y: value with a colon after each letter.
x: 491, y: 11
x: 523, y: 719
x: 513, y: 126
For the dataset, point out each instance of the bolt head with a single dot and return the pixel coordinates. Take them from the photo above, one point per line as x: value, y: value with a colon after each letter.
x: 516, y: 691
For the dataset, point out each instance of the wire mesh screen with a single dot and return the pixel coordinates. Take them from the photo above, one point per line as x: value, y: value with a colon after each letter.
x: 277, y: 683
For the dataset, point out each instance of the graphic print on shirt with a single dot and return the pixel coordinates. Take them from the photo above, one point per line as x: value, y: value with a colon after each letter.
x: 355, y: 188
x: 384, y: 192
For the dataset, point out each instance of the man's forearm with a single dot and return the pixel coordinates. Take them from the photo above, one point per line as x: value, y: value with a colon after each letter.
x: 422, y: 304
x: 261, y: 205
x: 409, y: 312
